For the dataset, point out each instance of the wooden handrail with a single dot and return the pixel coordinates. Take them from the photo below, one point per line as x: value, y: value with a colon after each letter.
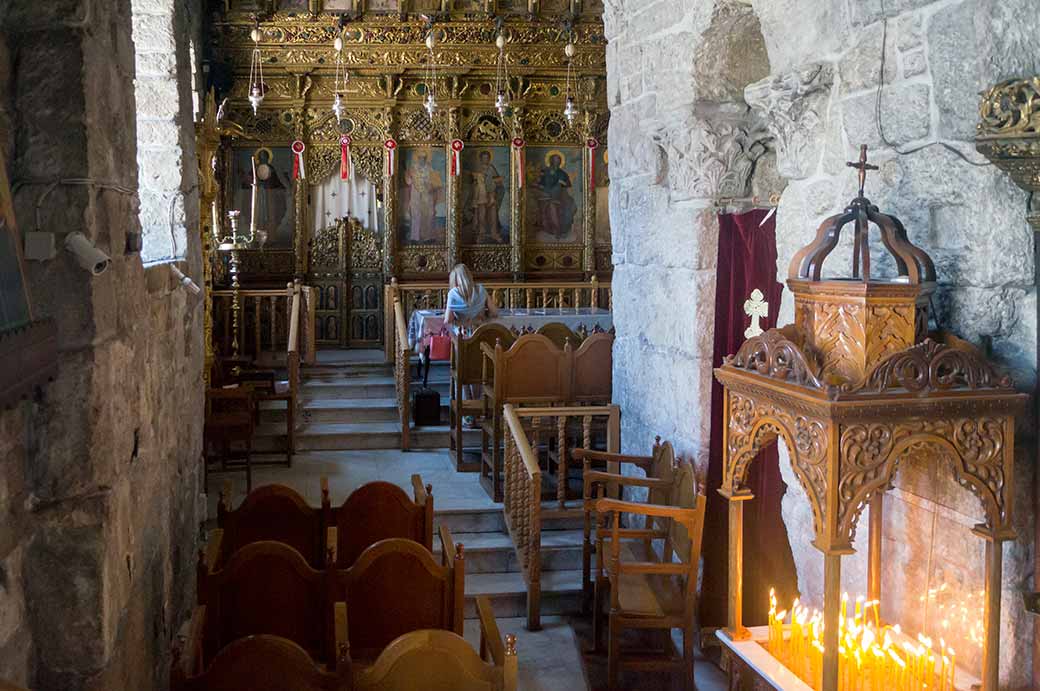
x: 509, y: 415
x: 662, y: 511
x: 569, y: 411
x: 244, y: 292
x: 402, y: 373
x: 294, y: 321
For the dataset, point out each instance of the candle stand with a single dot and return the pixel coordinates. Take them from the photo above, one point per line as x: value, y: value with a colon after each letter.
x: 233, y: 243
x: 854, y: 387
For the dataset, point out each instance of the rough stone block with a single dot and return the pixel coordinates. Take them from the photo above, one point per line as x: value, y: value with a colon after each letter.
x: 952, y: 53
x: 914, y: 64
x: 153, y: 33
x: 860, y: 68
x: 906, y: 115
x: 909, y: 32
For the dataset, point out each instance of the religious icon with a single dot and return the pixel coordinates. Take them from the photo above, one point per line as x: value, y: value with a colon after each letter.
x: 294, y: 6
x: 602, y: 196
x: 486, y: 206
x: 423, y: 213
x: 426, y: 5
x: 275, y: 210
x: 383, y: 5
x: 469, y: 5
x: 554, y: 194
x: 512, y: 6
x: 340, y: 6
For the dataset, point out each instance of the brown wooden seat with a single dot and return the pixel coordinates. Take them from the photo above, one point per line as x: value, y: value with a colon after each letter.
x: 378, y: 511
x: 533, y: 371
x: 397, y: 586
x: 262, y: 663
x: 648, y: 591
x: 271, y: 512
x: 437, y: 660
x: 658, y: 472
x: 560, y: 334
x: 467, y: 366
x: 592, y: 371
x: 268, y: 588
x: 228, y: 431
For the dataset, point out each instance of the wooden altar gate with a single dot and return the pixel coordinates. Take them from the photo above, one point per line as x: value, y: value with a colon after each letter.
x: 346, y: 270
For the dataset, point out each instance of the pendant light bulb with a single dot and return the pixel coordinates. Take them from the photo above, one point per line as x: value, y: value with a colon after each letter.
x: 431, y: 104
x: 338, y: 44
x: 255, y: 35
x: 569, y: 50
x: 256, y: 97
x: 500, y: 42
x: 502, y: 102
x: 570, y: 111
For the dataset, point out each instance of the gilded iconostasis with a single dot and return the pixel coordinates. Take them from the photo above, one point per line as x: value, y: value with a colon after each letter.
x: 449, y: 130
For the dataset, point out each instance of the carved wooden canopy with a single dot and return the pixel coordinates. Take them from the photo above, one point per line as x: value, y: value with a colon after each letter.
x: 855, y: 386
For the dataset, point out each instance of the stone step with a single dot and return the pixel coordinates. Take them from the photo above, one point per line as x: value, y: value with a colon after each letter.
x: 353, y: 436
x: 494, y: 552
x: 362, y: 387
x: 561, y: 593
x: 345, y: 410
x: 492, y: 520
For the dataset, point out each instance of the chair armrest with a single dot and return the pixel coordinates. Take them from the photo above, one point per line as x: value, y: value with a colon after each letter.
x: 597, y: 476
x: 331, y: 545
x: 659, y: 510
x: 418, y: 491
x: 582, y: 454
x: 490, y: 637
x: 447, y: 545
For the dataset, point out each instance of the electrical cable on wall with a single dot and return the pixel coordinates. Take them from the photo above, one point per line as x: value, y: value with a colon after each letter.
x: 877, y: 106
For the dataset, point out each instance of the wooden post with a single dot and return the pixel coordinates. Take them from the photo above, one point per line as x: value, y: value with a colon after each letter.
x: 991, y: 646
x: 735, y: 613
x: 877, y: 512
x: 831, y: 614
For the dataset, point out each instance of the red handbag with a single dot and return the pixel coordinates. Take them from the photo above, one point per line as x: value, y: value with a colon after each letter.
x: 440, y: 347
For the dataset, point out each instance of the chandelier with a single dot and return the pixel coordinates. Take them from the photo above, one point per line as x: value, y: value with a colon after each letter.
x: 256, y: 72
x: 340, y: 83
x: 502, y: 103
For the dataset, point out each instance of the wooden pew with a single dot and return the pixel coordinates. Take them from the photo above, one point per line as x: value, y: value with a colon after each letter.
x: 560, y: 334
x: 271, y: 512
x: 268, y: 588
x: 651, y: 591
x: 592, y: 371
x: 397, y: 586
x: 436, y: 660
x: 533, y: 371
x: 467, y: 368
x: 262, y: 663
x: 377, y: 511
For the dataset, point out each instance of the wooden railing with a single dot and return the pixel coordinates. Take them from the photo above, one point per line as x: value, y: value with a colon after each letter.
x: 536, y: 440
x: 507, y: 295
x: 402, y: 371
x: 296, y: 311
x: 265, y: 319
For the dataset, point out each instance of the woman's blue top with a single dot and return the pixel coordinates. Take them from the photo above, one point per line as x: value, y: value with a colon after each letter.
x: 467, y: 311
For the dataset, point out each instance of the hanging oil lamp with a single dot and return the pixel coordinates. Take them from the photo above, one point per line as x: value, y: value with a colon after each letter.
x: 502, y: 103
x: 570, y: 109
x: 430, y: 102
x: 340, y: 83
x: 256, y: 72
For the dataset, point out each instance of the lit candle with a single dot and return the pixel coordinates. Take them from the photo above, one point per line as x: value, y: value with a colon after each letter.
x: 252, y: 205
x: 953, y: 668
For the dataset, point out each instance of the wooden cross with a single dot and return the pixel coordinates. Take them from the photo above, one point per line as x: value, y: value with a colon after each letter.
x: 862, y: 166
x: 758, y: 309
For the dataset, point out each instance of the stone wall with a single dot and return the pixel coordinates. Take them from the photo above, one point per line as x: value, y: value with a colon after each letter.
x: 817, y: 100
x: 99, y: 474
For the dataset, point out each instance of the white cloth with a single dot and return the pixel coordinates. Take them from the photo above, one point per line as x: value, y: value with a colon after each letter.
x: 337, y: 198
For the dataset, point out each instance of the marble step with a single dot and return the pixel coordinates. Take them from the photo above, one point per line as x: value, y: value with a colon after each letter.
x: 561, y: 593
x: 332, y: 410
x: 492, y: 520
x: 363, y: 387
x: 494, y: 552
x: 354, y: 436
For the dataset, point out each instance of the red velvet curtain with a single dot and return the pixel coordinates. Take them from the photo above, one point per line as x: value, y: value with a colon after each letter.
x: 747, y: 260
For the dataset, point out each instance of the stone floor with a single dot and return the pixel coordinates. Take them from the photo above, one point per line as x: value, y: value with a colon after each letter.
x: 551, y: 659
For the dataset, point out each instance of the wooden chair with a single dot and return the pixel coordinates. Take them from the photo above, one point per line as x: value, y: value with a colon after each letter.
x: 268, y: 588
x: 436, y: 660
x: 658, y: 481
x: 560, y: 334
x: 467, y: 366
x: 271, y: 512
x: 229, y: 422
x: 262, y: 663
x: 592, y: 372
x: 397, y: 586
x: 533, y: 371
x: 377, y: 511
x: 651, y: 592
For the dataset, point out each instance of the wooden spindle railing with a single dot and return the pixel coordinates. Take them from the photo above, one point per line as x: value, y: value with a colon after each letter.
x: 402, y: 372
x: 507, y: 295
x: 270, y: 308
x: 525, y: 465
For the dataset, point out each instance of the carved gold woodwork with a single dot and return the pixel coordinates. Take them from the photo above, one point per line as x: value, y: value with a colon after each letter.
x: 1009, y: 134
x: 386, y: 57
x: 854, y: 388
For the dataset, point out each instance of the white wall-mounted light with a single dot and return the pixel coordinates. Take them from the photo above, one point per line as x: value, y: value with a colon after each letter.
x: 87, y: 255
x: 189, y: 285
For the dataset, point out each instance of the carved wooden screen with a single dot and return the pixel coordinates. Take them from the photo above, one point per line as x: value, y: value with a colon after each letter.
x: 365, y: 283
x: 329, y: 277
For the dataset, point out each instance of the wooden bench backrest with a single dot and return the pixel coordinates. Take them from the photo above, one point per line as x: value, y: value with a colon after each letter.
x: 262, y: 663
x: 560, y: 334
x: 377, y: 511
x: 593, y: 370
x: 686, y: 542
x: 430, y: 660
x: 268, y: 588
x: 467, y: 360
x: 533, y: 370
x: 396, y: 586
x: 276, y: 513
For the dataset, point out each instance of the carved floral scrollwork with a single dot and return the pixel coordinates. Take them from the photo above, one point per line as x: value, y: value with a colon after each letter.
x: 781, y: 354
x: 871, y: 454
x: 1011, y: 107
x: 754, y: 424
x: 935, y: 367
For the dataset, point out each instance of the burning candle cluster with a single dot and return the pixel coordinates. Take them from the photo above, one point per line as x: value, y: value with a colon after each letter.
x: 872, y: 657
